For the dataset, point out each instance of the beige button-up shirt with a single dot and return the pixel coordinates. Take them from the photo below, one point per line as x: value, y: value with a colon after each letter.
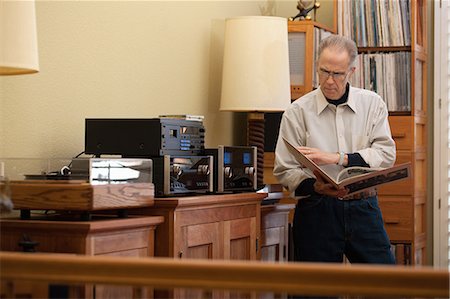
x: 358, y: 126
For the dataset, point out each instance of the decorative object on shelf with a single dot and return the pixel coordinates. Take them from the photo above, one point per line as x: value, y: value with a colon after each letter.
x: 256, y: 73
x: 304, y: 8
x: 18, y: 38
x: 6, y: 204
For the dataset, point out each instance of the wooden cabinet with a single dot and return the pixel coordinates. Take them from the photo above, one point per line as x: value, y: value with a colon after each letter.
x: 101, y: 236
x: 404, y: 203
x: 405, y: 23
x: 223, y: 226
x: 209, y: 226
x: 274, y: 241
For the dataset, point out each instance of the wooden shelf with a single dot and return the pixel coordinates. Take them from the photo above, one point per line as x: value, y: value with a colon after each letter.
x: 383, y: 49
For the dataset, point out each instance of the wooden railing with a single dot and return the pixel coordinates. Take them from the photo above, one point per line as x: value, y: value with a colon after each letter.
x: 291, y: 278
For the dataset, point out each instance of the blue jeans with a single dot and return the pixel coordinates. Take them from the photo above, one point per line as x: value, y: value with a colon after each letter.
x: 326, y: 228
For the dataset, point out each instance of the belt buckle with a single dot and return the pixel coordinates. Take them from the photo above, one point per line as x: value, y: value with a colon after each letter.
x: 349, y: 197
x: 360, y: 195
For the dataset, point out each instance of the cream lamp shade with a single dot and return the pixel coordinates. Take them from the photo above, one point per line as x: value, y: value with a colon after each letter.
x: 255, y: 65
x: 18, y: 37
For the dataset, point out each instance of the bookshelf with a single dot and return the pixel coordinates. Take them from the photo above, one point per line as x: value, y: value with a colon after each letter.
x: 394, y: 64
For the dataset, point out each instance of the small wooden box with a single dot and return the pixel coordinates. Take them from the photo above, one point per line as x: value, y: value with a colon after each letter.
x: 78, y: 195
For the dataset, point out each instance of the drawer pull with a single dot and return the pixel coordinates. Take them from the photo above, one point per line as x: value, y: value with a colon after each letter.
x: 27, y: 244
x: 398, y: 135
x: 392, y: 220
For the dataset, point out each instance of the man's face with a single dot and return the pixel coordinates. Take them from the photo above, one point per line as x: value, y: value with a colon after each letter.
x: 334, y: 71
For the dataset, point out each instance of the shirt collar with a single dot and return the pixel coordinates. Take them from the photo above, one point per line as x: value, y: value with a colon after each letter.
x: 323, y: 103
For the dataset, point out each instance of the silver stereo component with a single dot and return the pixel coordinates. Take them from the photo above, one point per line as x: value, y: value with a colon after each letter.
x: 99, y: 171
x: 177, y: 175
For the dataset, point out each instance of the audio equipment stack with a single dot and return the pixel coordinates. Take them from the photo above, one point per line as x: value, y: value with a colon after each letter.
x: 176, y: 145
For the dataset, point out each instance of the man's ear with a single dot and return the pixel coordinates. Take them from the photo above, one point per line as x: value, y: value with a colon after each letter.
x: 352, y: 70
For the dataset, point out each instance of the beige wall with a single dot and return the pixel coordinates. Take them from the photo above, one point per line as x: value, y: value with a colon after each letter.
x: 121, y: 59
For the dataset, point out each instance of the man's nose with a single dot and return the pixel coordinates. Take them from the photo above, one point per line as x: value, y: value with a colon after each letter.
x: 330, y: 79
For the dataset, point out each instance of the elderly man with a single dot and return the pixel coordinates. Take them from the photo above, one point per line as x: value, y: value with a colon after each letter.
x: 336, y: 126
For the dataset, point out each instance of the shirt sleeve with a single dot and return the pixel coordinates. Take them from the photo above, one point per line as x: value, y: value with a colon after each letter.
x: 286, y: 169
x: 355, y: 159
x: 306, y: 187
x: 381, y: 149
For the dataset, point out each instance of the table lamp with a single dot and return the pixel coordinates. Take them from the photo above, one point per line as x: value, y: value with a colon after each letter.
x: 256, y: 74
x: 18, y: 37
x: 18, y: 55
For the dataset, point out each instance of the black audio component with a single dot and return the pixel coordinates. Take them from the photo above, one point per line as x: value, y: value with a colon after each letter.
x: 177, y: 175
x: 234, y: 168
x: 271, y: 128
x: 134, y: 138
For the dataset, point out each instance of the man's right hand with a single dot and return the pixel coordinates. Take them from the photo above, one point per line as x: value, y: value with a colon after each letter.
x: 322, y: 187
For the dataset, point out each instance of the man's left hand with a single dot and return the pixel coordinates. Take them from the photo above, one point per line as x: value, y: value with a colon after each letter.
x: 319, y: 157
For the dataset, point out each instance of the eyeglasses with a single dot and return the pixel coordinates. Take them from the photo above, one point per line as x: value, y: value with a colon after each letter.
x: 337, y: 76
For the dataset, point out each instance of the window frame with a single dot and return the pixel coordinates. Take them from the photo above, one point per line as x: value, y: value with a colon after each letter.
x: 441, y: 150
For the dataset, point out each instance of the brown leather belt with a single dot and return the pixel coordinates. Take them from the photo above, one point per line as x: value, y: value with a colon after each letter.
x: 361, y: 195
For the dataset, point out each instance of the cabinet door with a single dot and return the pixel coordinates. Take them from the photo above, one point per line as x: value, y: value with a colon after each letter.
x: 201, y: 241
x: 239, y: 244
x: 231, y: 239
x: 274, y: 241
x: 273, y: 244
x: 240, y: 239
x: 113, y: 291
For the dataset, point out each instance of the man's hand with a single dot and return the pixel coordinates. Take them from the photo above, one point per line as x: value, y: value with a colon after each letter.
x: 319, y: 157
x: 322, y: 187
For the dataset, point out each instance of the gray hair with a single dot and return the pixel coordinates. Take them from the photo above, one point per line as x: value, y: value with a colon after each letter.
x: 339, y: 42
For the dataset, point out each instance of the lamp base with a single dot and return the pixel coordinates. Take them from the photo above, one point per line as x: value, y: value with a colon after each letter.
x: 255, y: 137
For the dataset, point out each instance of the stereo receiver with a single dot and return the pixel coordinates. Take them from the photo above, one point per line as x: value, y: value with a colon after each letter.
x: 234, y: 168
x: 177, y: 175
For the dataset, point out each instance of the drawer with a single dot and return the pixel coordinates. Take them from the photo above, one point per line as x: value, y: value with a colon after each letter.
x: 416, y: 184
x: 402, y: 131
x: 398, y: 217
x: 402, y: 187
x: 409, y: 132
x: 120, y: 241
